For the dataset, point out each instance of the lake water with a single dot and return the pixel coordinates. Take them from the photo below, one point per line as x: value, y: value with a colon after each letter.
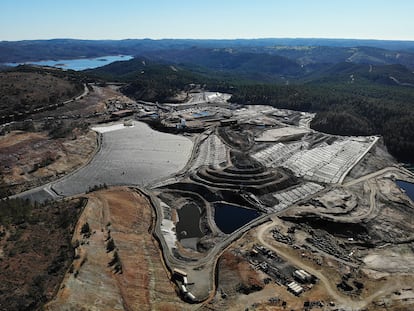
x: 229, y: 217
x: 408, y: 187
x: 78, y: 64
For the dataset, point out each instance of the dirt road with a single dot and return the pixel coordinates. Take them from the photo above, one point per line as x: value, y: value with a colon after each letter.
x: 345, y: 302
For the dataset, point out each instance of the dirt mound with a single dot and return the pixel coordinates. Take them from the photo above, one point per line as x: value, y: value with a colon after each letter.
x: 118, y: 265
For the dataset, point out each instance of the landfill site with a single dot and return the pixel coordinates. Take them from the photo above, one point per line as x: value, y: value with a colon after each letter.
x: 314, y: 221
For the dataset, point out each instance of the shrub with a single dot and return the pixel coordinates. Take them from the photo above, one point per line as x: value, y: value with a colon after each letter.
x: 110, y: 246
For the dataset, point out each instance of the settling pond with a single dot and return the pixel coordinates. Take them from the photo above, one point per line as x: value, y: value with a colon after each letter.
x: 188, y: 225
x: 230, y: 217
x: 408, y: 188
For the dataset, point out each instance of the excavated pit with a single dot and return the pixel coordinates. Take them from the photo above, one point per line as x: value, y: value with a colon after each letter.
x: 244, y: 174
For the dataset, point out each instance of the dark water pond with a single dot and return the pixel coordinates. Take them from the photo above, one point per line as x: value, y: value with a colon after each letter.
x: 229, y: 217
x: 80, y: 63
x: 408, y: 187
x: 188, y: 225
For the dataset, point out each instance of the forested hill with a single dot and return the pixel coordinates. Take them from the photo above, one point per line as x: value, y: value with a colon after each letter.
x: 210, y: 63
x: 26, y: 90
x: 303, y: 51
x: 248, y: 64
x: 151, y: 81
x: 358, y: 74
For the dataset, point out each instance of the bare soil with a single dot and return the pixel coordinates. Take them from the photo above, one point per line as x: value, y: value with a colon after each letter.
x: 30, y: 159
x: 96, y: 283
x: 235, y: 275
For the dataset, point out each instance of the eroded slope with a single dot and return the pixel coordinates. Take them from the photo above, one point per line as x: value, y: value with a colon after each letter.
x: 135, y: 278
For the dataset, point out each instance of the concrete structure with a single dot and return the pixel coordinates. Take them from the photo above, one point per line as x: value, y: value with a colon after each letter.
x: 302, y: 276
x: 292, y: 195
x: 295, y: 288
x: 179, y: 272
x: 190, y: 296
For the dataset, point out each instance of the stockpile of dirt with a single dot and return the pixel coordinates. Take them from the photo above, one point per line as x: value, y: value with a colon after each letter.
x: 118, y: 263
x: 235, y: 278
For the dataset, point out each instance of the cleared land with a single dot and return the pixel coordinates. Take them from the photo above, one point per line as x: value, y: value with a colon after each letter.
x: 135, y: 155
x: 53, y: 143
x: 29, y: 159
x: 94, y: 283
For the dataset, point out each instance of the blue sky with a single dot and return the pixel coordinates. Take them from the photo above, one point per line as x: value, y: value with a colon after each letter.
x: 216, y: 19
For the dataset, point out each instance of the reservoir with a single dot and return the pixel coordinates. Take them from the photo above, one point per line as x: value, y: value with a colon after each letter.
x: 78, y: 64
x: 229, y: 217
x: 408, y: 188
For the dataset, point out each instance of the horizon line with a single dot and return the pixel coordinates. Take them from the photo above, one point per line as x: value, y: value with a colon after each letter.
x: 214, y: 39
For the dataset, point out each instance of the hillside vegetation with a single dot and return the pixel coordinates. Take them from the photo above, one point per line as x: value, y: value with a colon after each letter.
x: 35, y: 243
x: 24, y: 90
x: 301, y: 50
x: 152, y: 81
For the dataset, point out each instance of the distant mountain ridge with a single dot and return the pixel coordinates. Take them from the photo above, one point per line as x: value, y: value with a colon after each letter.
x: 355, y: 90
x: 34, y: 50
x: 255, y: 66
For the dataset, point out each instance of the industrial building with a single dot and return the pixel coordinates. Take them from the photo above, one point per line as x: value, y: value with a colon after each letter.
x: 302, y: 276
x: 295, y: 288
